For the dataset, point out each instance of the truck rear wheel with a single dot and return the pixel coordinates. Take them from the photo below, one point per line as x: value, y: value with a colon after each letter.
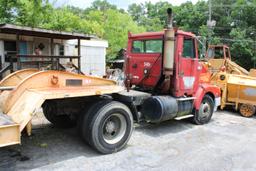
x: 60, y: 121
x: 107, y: 126
x: 247, y: 110
x: 204, y: 114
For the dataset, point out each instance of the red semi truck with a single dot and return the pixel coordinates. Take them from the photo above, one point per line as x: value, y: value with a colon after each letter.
x: 163, y: 82
x: 162, y: 79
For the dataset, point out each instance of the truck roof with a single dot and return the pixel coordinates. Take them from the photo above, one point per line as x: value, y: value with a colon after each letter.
x: 160, y: 33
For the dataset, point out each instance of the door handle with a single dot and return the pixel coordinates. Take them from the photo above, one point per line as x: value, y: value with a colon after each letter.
x: 134, y: 66
x: 181, y: 74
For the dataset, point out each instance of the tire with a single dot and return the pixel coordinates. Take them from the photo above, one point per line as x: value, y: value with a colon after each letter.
x: 107, y: 126
x: 60, y: 121
x: 204, y: 114
x: 247, y: 110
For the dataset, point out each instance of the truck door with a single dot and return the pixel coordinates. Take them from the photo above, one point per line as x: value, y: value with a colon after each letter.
x: 145, y: 61
x: 188, y: 67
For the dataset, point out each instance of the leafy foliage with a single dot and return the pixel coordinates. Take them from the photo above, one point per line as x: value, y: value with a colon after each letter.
x: 235, y: 21
x: 7, y: 11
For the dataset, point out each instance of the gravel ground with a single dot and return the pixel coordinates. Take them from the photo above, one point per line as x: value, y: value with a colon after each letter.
x: 226, y: 143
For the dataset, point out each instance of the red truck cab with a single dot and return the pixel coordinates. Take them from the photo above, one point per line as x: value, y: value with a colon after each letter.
x: 144, y: 66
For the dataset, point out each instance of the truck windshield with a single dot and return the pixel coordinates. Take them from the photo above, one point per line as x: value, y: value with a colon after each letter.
x: 215, y: 53
x: 147, y: 46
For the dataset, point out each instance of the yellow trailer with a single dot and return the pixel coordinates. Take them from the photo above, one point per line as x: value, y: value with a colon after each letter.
x: 238, y: 86
x: 24, y: 91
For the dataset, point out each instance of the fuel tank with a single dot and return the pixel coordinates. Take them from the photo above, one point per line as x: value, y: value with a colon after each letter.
x: 161, y: 108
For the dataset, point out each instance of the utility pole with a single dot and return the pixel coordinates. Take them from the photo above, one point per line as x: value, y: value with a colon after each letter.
x: 254, y: 53
x: 210, y: 23
x: 210, y: 10
x: 253, y: 34
x: 254, y: 63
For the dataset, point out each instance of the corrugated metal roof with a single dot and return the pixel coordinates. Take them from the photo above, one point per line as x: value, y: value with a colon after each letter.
x: 39, y: 32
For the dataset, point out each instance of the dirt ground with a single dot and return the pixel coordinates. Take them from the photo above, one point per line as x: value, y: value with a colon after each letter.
x: 226, y: 143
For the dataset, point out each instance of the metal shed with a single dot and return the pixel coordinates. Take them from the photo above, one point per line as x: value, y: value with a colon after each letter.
x: 93, y: 52
x: 21, y: 57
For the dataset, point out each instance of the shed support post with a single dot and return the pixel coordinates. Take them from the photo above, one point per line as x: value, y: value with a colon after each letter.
x: 17, y: 52
x: 79, y: 55
x: 52, y: 52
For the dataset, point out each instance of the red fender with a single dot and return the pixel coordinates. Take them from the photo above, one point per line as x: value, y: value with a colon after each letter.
x: 203, y: 89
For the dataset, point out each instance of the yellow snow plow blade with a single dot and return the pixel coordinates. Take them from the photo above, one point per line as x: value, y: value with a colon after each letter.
x: 23, y: 92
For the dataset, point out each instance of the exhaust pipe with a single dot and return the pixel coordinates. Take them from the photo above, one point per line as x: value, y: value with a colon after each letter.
x: 169, y: 18
x: 169, y: 40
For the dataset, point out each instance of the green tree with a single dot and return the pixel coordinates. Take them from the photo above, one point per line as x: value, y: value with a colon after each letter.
x: 115, y: 26
x: 151, y: 16
x: 191, y: 17
x: 241, y: 48
x: 33, y: 13
x: 8, y: 9
x: 235, y: 21
x: 63, y: 20
x: 100, y: 5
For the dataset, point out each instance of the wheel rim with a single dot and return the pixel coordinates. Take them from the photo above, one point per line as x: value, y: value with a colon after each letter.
x: 247, y: 110
x: 114, y: 128
x: 205, y: 110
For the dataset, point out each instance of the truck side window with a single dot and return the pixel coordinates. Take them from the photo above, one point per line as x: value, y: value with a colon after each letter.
x: 188, y: 48
x: 138, y: 46
x: 154, y: 46
x: 147, y: 46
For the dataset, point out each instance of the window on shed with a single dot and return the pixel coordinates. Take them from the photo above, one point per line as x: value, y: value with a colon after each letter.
x: 227, y: 54
x: 61, y: 50
x: 10, y: 51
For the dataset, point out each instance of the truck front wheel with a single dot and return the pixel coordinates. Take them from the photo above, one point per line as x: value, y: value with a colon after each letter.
x: 107, y: 126
x: 204, y: 114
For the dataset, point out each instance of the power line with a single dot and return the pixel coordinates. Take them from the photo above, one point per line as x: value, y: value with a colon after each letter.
x: 234, y: 5
x: 236, y: 40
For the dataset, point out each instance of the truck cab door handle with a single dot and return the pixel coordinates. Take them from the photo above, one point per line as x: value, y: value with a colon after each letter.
x: 181, y: 74
x: 134, y: 66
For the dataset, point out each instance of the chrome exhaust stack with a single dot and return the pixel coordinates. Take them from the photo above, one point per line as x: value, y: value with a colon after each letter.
x: 169, y: 43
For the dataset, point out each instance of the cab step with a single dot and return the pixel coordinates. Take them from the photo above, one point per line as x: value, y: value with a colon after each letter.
x: 184, y: 117
x: 186, y: 98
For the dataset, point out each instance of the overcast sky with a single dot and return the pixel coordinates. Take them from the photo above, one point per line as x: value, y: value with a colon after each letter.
x: 120, y: 3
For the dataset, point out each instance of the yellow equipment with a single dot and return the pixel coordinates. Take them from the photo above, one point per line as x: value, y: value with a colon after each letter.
x: 238, y: 86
